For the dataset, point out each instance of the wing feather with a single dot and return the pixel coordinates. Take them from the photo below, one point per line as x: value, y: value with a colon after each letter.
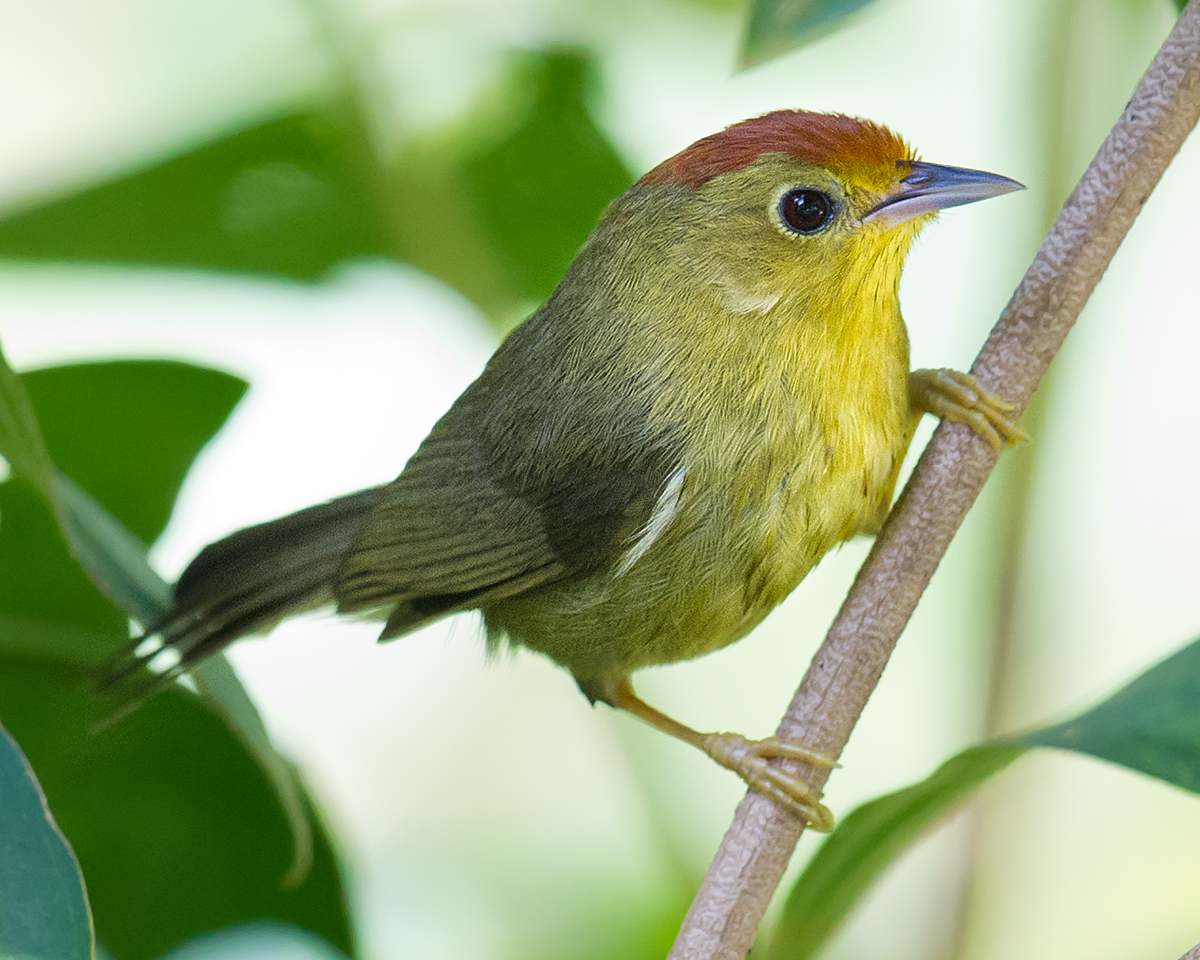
x: 521, y: 484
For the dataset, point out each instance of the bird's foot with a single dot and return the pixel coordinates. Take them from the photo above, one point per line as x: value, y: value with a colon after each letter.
x: 958, y: 397
x: 749, y: 760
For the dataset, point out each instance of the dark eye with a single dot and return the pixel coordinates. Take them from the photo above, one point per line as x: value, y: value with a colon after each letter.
x: 806, y: 211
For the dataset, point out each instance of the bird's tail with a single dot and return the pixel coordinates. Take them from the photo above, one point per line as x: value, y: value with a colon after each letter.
x: 243, y: 584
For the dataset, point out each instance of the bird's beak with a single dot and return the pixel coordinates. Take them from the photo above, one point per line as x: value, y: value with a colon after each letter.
x: 929, y: 187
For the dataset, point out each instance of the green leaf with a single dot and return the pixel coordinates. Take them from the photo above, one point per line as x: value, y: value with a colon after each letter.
x: 132, y: 429
x: 40, y: 582
x: 55, y: 641
x: 176, y: 826
x: 776, y: 27
x: 1152, y: 725
x: 541, y: 190
x: 290, y: 197
x: 296, y: 196
x: 218, y: 684
x: 127, y: 431
x: 43, y: 904
x: 868, y: 840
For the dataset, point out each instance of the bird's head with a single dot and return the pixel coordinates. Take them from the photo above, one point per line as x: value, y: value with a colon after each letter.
x: 804, y: 204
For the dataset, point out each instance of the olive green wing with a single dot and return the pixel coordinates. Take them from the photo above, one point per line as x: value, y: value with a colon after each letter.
x: 444, y: 536
x: 493, y: 505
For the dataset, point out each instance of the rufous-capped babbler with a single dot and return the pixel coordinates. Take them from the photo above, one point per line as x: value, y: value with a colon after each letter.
x: 716, y: 394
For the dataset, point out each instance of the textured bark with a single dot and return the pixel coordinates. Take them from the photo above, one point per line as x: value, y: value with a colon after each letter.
x: 726, y: 913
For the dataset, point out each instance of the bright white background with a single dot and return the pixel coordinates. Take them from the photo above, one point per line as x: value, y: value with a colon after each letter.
x: 481, y: 806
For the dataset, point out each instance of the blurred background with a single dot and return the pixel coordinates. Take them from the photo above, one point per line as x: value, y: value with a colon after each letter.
x: 348, y: 202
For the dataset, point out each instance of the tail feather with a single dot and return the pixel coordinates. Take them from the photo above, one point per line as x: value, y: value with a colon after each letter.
x: 243, y: 584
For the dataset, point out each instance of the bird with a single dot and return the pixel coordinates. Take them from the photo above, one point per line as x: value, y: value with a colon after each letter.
x: 716, y: 394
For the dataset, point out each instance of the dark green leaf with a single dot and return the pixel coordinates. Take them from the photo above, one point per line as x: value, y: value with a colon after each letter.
x: 291, y: 197
x: 868, y: 840
x: 40, y: 582
x: 776, y: 27
x: 175, y: 825
x: 1151, y: 725
x: 131, y: 428
x: 116, y: 562
x: 44, y: 911
x: 541, y: 190
x: 128, y: 431
x: 218, y: 684
x: 1180, y: 4
x: 55, y: 641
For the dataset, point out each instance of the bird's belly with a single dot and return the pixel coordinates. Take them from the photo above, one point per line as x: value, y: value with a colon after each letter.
x: 729, y: 556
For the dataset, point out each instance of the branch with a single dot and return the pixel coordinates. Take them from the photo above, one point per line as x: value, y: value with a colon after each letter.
x: 1193, y: 954
x: 725, y: 915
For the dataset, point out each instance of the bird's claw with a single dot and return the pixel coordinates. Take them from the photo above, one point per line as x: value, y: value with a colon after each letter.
x: 749, y: 760
x: 958, y: 397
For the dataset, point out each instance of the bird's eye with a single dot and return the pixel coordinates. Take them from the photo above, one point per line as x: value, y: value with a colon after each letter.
x: 806, y: 211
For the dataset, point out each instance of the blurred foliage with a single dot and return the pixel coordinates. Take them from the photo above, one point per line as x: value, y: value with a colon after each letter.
x: 776, y: 27
x: 867, y: 841
x: 176, y: 823
x: 497, y: 217
x: 499, y: 214
x: 218, y: 684
x: 541, y: 190
x: 1152, y: 725
x: 287, y: 198
x: 44, y: 911
x: 608, y: 923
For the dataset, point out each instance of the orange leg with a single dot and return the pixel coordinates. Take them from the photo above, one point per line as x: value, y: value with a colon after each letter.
x: 747, y: 758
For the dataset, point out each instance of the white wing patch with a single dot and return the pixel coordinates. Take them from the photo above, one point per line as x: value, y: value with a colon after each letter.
x: 660, y: 518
